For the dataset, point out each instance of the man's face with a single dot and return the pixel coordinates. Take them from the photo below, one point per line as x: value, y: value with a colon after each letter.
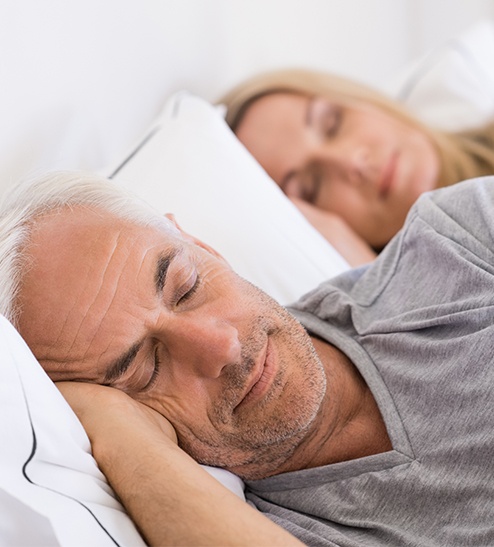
x: 162, y: 317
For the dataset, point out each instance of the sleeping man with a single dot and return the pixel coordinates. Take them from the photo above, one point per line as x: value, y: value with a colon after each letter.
x: 361, y: 416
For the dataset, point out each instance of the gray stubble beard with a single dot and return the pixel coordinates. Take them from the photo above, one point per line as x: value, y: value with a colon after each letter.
x: 255, y: 452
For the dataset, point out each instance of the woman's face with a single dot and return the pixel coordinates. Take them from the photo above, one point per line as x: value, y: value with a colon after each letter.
x: 354, y: 160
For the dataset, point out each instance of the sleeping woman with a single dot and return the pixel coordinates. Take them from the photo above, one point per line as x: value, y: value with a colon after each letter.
x: 350, y: 158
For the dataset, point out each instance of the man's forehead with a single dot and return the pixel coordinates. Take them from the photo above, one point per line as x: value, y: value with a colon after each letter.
x: 66, y: 245
x: 72, y: 233
x: 82, y: 262
x: 81, y: 217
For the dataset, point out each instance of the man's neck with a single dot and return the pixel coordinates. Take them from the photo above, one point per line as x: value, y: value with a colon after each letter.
x: 349, y: 424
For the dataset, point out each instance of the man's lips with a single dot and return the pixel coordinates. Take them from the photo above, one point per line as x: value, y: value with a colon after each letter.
x: 388, y: 176
x: 262, y: 377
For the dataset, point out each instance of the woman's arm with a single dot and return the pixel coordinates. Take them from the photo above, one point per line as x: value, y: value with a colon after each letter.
x: 171, y: 499
x: 350, y: 245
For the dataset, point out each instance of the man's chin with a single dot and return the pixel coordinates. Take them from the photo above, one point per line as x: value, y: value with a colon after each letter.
x: 258, y: 453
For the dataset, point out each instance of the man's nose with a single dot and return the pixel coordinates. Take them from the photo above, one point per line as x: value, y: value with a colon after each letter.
x: 202, y: 346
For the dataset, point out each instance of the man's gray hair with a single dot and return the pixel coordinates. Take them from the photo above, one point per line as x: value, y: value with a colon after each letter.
x: 25, y: 203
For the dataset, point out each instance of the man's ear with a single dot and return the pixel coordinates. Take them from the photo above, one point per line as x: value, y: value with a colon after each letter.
x: 193, y: 239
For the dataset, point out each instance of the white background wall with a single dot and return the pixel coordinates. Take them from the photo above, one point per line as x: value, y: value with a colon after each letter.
x: 82, y: 78
x: 365, y: 39
x: 208, y: 45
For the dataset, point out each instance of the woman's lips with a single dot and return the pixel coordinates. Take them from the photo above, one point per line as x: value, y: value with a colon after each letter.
x: 263, y: 377
x: 388, y: 176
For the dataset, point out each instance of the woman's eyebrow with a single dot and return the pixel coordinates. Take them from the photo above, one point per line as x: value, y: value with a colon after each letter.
x: 308, y: 121
x: 309, y: 112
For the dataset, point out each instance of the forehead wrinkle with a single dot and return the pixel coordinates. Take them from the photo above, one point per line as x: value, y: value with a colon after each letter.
x: 64, y: 369
x: 115, y: 369
x: 57, y: 342
x: 103, y: 275
x: 77, y: 332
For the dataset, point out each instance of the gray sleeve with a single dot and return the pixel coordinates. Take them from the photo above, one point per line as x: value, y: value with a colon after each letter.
x: 464, y: 213
x: 448, y: 239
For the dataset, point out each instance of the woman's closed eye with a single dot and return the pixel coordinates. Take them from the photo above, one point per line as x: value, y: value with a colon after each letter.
x: 304, y: 187
x: 313, y: 189
x: 331, y: 121
x: 325, y: 117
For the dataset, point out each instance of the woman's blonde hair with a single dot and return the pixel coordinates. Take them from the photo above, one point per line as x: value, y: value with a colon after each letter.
x: 463, y: 155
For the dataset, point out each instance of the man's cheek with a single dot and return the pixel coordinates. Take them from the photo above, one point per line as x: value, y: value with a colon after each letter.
x: 169, y: 407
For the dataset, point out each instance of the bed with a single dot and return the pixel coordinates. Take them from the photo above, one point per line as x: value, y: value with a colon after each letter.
x: 176, y: 152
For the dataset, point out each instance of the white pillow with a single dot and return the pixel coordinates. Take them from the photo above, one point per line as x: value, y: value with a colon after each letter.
x: 51, y: 490
x: 192, y: 165
x: 452, y: 87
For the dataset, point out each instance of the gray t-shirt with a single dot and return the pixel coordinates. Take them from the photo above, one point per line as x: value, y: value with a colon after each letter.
x: 419, y: 326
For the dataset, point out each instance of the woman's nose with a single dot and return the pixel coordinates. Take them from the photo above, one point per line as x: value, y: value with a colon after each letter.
x: 349, y: 162
x: 203, y: 346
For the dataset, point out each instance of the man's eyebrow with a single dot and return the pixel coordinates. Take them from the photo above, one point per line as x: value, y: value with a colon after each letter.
x: 162, y: 266
x: 122, y: 364
x: 118, y: 368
